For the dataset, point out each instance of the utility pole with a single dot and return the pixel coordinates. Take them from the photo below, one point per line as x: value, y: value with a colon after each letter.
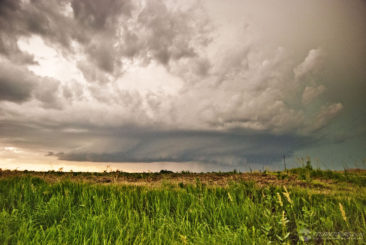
x: 284, y: 161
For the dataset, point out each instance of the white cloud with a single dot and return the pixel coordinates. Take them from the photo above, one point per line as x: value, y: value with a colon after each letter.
x: 310, y: 64
x: 50, y: 62
x: 11, y: 149
x: 310, y: 93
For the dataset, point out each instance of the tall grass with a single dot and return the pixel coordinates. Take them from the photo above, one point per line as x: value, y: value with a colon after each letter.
x: 33, y: 211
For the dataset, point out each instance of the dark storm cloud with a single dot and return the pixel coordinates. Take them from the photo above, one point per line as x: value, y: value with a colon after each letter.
x: 39, y: 135
x: 100, y: 21
x: 166, y: 34
x: 18, y: 85
x: 8, y: 32
x: 38, y: 17
x: 133, y: 144
x: 230, y: 149
x: 15, y: 86
x: 100, y: 14
x: 151, y: 32
x: 59, y: 25
x: 105, y: 30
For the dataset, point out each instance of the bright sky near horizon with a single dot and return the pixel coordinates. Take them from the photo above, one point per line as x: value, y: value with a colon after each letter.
x: 200, y: 85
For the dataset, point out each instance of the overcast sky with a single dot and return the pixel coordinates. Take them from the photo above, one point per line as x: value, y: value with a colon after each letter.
x: 197, y: 85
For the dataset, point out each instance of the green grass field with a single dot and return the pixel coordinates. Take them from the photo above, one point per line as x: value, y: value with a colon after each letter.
x: 294, y: 207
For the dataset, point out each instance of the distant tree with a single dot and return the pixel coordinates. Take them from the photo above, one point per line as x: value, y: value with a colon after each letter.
x: 164, y: 171
x: 308, y: 164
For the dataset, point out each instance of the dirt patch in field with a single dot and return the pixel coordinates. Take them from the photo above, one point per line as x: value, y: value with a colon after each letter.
x: 157, y: 179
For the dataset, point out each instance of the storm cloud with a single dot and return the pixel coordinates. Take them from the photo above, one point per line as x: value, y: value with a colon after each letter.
x: 14, y: 86
x: 229, y: 84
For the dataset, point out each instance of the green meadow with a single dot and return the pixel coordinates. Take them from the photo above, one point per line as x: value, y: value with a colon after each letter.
x: 298, y: 206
